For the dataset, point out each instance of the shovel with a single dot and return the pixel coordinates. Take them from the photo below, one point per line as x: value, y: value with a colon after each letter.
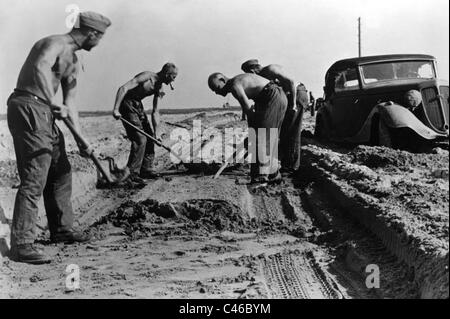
x: 230, y: 159
x: 113, y: 177
x: 156, y: 141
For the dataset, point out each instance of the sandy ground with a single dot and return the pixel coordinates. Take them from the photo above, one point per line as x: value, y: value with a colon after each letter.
x: 186, y: 235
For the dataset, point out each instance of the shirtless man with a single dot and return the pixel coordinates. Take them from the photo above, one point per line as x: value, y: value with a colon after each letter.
x: 128, y: 105
x: 268, y: 112
x: 39, y: 144
x: 276, y: 73
x: 290, y: 135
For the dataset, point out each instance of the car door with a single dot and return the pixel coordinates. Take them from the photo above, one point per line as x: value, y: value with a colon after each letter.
x: 345, y: 103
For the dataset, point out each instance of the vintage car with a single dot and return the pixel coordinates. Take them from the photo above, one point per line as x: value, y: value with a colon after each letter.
x: 384, y: 100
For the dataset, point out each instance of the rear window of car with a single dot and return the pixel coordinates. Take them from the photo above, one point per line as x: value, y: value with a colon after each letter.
x: 346, y: 80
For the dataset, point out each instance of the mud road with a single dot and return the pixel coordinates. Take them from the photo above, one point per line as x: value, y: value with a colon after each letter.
x: 186, y: 235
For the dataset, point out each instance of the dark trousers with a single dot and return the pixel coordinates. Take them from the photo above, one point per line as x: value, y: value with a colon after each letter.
x: 290, y: 142
x: 142, y: 153
x: 270, y: 108
x: 43, y: 167
x: 290, y: 139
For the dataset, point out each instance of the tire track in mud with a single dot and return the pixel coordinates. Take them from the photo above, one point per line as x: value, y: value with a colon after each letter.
x: 267, y: 208
x: 409, y: 230
x: 290, y: 274
x: 296, y: 276
x: 355, y: 248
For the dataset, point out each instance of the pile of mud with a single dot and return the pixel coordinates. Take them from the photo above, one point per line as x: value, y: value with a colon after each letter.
x: 140, y: 219
x: 401, y: 197
x: 390, y: 159
x: 9, y: 176
x: 192, y: 217
x: 208, y: 118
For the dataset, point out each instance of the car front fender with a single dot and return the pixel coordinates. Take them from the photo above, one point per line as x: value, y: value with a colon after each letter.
x: 394, y: 116
x: 397, y: 116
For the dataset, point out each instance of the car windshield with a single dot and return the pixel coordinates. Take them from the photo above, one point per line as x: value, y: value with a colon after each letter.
x: 388, y: 71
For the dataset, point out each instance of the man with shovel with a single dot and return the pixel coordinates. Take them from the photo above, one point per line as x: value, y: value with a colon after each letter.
x: 128, y: 106
x: 266, y: 116
x: 38, y: 142
x: 290, y: 138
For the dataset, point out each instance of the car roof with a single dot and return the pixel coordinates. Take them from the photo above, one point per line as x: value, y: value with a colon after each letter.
x: 353, y: 62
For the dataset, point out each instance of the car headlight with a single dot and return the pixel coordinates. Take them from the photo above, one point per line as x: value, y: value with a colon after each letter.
x: 413, y: 98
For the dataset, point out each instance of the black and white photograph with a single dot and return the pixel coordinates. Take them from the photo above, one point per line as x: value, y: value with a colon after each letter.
x: 242, y: 152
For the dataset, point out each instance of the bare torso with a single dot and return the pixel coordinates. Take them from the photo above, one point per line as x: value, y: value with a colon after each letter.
x: 63, y: 67
x: 252, y: 84
x: 147, y: 88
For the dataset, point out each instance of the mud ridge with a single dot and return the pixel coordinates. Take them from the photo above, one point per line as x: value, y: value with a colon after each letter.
x: 430, y: 262
x: 356, y: 247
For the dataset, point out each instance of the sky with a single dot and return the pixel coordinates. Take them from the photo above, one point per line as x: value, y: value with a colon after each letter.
x: 206, y: 36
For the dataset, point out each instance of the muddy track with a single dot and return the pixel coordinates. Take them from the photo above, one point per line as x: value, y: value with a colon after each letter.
x: 290, y: 274
x: 296, y: 276
x: 429, y: 264
x: 186, y: 235
x: 355, y: 248
x: 399, y: 197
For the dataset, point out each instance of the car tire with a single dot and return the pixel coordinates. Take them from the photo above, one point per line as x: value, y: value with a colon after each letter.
x: 321, y: 130
x: 380, y: 133
x: 384, y: 135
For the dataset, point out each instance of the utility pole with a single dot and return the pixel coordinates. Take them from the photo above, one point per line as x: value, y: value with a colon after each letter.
x: 359, y: 36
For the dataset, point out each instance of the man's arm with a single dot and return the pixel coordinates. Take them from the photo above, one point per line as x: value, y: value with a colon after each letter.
x: 155, y: 113
x: 277, y: 72
x: 122, y: 91
x: 69, y: 88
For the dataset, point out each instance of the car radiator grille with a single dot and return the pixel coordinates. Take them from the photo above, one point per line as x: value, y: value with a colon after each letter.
x: 445, y: 93
x: 432, y: 107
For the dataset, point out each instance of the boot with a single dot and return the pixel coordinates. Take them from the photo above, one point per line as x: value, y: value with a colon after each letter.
x: 28, y: 253
x: 136, y: 179
x: 275, y: 178
x: 259, y: 179
x: 148, y: 174
x: 70, y: 237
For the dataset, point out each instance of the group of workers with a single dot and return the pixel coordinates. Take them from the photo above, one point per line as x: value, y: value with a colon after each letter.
x: 42, y: 162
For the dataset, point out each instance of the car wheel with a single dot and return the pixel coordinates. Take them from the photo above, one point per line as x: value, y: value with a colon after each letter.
x: 384, y: 135
x: 321, y: 130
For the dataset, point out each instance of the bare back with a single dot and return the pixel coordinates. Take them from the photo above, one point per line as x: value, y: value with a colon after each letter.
x: 276, y: 73
x: 251, y: 84
x: 53, y: 54
x: 146, y: 85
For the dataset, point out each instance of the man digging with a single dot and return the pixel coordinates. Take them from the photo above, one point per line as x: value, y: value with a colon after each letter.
x: 128, y: 105
x: 290, y: 135
x: 267, y: 115
x: 38, y: 142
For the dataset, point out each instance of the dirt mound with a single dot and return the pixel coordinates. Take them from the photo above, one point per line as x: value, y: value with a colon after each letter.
x: 207, y: 119
x: 191, y: 217
x: 210, y: 215
x: 383, y: 157
x: 10, y: 177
